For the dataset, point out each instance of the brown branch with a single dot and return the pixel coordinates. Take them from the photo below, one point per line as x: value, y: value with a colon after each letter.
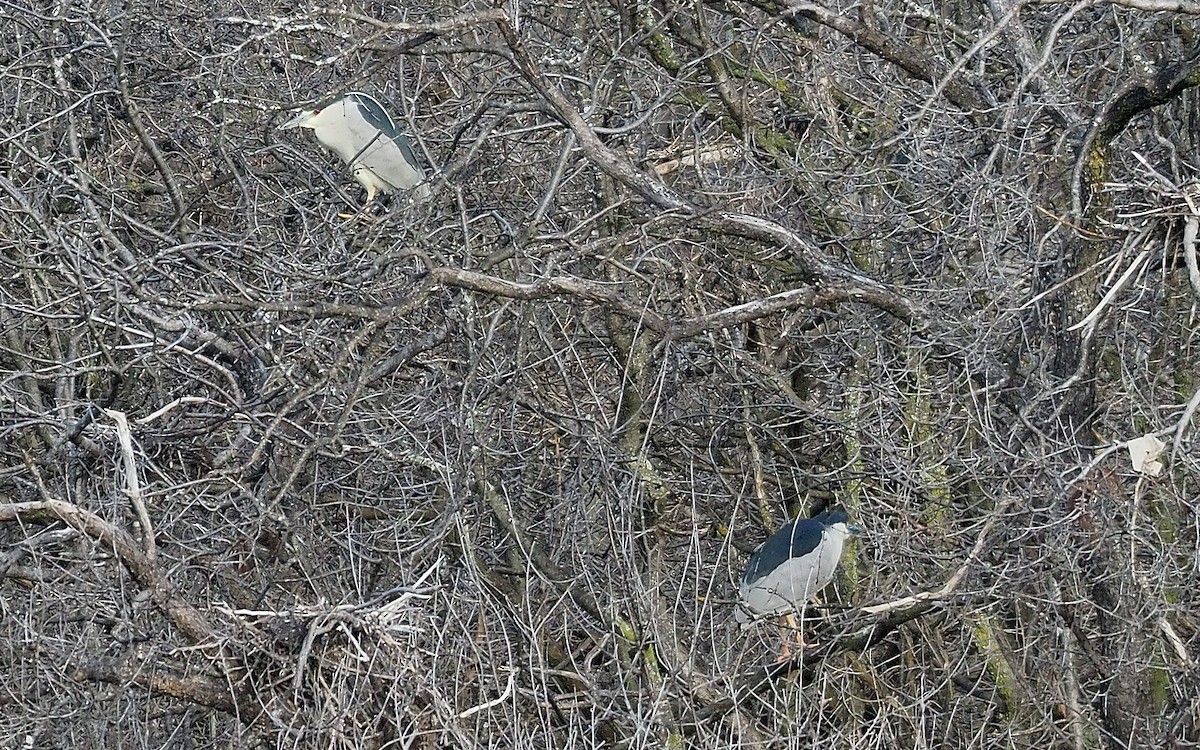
x: 834, y: 281
x: 607, y: 295
x: 608, y: 160
x: 861, y: 289
x: 1144, y: 94
x: 841, y: 283
x: 456, y: 23
x: 134, y: 116
x: 211, y: 691
x: 1153, y: 6
x: 1136, y: 96
x: 745, y: 312
x: 185, y: 617
x: 856, y: 642
x: 957, y: 88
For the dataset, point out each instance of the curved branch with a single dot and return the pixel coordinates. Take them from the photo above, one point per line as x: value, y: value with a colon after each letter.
x: 1144, y: 94
x: 618, y: 167
x: 958, y: 89
x: 134, y: 114
x: 840, y: 282
x: 185, y: 616
x: 848, y: 287
x: 1154, y: 6
x: 1136, y: 96
x: 816, y: 268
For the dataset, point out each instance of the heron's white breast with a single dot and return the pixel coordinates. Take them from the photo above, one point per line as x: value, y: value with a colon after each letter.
x: 798, y: 579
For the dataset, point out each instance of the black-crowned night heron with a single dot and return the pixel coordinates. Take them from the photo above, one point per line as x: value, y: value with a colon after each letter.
x: 788, y: 569
x: 358, y: 129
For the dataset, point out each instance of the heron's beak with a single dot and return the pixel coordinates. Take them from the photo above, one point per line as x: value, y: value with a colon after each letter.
x: 855, y: 530
x: 296, y: 121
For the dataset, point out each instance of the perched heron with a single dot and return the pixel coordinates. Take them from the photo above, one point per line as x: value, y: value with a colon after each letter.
x: 358, y: 129
x: 788, y: 569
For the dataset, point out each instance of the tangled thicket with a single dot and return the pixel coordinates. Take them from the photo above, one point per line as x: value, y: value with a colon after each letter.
x: 484, y: 472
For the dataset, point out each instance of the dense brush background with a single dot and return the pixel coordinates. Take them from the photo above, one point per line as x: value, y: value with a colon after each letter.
x: 485, y: 472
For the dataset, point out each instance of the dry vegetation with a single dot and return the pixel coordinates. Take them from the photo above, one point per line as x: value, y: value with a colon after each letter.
x: 484, y: 473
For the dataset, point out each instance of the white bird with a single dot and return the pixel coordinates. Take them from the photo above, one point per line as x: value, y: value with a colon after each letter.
x: 358, y: 129
x: 792, y: 566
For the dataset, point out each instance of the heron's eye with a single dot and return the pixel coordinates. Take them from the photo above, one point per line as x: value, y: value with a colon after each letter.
x: 316, y: 111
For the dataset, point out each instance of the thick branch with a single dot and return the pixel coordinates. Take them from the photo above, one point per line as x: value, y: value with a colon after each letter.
x: 839, y: 282
x: 185, y: 617
x: 846, y: 287
x: 205, y: 691
x: 617, y: 166
x: 1166, y: 84
x: 607, y: 295
x: 808, y: 257
x: 959, y: 91
x: 1153, y: 6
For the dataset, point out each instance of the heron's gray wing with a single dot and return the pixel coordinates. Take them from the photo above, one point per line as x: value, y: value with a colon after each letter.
x: 794, y: 539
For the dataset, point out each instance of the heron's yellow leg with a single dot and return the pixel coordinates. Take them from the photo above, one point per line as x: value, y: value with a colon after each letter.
x: 787, y: 628
x: 361, y: 213
x: 785, y: 651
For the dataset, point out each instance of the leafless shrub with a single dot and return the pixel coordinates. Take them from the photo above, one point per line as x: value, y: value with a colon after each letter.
x: 484, y: 472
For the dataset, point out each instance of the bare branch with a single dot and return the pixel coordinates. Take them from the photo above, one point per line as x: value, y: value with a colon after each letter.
x: 959, y: 89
